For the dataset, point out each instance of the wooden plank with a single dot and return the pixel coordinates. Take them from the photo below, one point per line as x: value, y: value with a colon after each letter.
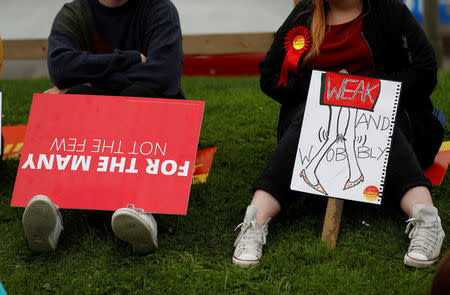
x: 227, y: 43
x: 332, y: 221
x: 1, y: 57
x: 192, y: 45
x: 25, y: 49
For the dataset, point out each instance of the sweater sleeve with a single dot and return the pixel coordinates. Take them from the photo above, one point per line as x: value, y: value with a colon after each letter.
x: 69, y: 65
x: 164, y: 52
x: 297, y: 86
x: 419, y: 76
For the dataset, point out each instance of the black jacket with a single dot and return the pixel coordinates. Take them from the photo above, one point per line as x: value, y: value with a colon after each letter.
x: 399, y: 47
x: 400, y: 51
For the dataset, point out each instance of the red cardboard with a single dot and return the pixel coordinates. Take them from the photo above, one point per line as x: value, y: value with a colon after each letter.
x: 350, y: 91
x: 436, y: 171
x: 203, y: 163
x: 14, y: 136
x: 104, y: 152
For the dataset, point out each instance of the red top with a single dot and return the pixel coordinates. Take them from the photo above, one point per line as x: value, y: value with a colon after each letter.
x: 344, y: 47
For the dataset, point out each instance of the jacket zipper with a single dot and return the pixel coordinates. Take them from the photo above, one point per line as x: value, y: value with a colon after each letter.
x: 370, y: 50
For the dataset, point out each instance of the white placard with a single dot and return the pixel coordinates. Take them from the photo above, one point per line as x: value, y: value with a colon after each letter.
x: 345, y: 138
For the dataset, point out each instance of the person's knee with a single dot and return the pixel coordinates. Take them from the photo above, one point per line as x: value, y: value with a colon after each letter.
x: 139, y: 91
x: 84, y: 89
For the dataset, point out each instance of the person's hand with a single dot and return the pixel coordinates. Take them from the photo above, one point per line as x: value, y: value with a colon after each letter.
x: 143, y: 58
x: 56, y: 90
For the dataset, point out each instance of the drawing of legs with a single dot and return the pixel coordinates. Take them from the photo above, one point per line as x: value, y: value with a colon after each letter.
x: 309, y: 173
x: 355, y: 175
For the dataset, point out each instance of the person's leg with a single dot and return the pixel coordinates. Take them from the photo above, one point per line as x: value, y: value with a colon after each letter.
x: 137, y: 228
x: 406, y: 182
x: 414, y: 196
x: 139, y: 91
x: 271, y: 193
x: 42, y: 221
x: 129, y: 224
x: 275, y: 180
x: 404, y: 174
x: 42, y: 224
x: 266, y: 205
x: 85, y: 89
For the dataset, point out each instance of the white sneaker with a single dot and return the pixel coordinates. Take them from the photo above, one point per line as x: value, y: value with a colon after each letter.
x: 42, y: 224
x: 250, y: 241
x: 134, y: 226
x: 426, y: 236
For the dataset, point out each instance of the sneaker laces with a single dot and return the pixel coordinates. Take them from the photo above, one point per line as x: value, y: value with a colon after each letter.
x: 251, y: 237
x: 423, y: 235
x: 138, y: 210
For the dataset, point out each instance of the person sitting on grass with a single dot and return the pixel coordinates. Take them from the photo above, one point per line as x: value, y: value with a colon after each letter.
x: 378, y: 38
x: 110, y: 47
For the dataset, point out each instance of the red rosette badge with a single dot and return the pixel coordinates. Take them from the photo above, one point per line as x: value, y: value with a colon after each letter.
x: 297, y: 44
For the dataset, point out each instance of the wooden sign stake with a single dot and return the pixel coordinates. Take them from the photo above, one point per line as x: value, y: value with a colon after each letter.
x: 332, y: 221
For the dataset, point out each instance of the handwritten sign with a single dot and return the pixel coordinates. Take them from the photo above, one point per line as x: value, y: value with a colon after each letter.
x: 345, y: 138
x: 104, y: 152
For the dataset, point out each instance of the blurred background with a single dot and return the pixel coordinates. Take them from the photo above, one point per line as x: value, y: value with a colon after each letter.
x: 26, y: 19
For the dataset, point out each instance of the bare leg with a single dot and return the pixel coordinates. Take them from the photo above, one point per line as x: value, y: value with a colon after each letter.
x: 267, y: 206
x: 355, y: 174
x: 414, y: 196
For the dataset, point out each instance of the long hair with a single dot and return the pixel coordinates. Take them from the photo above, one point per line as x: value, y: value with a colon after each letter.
x: 318, y: 26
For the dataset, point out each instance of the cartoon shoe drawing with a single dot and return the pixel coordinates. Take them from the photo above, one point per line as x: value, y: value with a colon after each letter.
x: 318, y: 187
x: 350, y: 184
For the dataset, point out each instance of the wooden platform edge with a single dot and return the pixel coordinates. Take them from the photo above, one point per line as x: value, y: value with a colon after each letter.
x: 208, y: 44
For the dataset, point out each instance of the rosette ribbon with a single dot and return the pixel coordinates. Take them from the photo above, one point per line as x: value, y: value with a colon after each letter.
x: 297, y: 44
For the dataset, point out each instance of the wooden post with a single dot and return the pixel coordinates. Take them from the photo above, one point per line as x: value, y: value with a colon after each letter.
x: 332, y: 221
x: 431, y: 25
x: 1, y: 57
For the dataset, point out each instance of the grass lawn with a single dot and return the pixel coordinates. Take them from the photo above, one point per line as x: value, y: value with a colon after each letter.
x: 195, y: 250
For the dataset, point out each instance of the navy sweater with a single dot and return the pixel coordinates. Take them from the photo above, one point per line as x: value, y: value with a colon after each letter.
x: 93, y: 43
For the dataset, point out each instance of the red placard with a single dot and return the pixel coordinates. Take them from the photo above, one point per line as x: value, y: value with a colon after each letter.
x: 349, y: 91
x: 104, y: 152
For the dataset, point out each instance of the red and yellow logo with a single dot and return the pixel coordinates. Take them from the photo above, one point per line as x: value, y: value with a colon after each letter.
x: 371, y: 193
x: 299, y: 42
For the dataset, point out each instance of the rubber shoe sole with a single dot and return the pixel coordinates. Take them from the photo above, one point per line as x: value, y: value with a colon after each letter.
x: 244, y: 263
x: 129, y: 227
x: 418, y: 263
x: 39, y: 221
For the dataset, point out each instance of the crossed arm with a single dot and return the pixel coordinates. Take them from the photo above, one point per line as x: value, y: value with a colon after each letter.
x: 156, y: 63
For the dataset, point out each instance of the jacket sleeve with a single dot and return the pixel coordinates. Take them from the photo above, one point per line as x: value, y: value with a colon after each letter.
x: 419, y: 75
x: 297, y: 85
x: 69, y: 65
x: 164, y: 52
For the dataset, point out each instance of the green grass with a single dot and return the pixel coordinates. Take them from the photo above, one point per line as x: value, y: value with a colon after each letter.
x: 195, y: 250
